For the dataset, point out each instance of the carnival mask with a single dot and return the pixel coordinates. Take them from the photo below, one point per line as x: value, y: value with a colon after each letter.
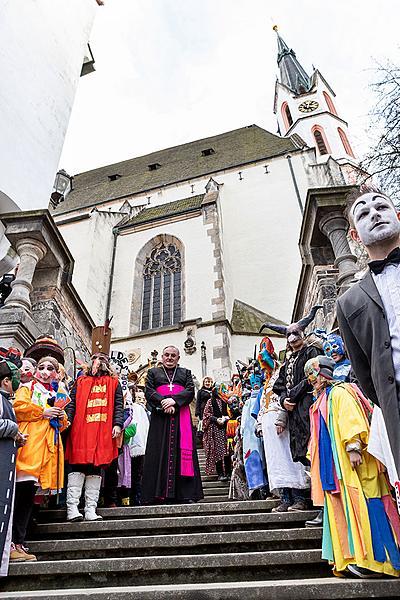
x: 375, y: 218
x: 311, y: 370
x: 333, y: 346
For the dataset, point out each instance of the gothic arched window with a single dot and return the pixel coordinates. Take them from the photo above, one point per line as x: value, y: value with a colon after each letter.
x: 329, y: 103
x: 287, y: 115
x: 346, y: 144
x: 320, y: 140
x: 162, y: 287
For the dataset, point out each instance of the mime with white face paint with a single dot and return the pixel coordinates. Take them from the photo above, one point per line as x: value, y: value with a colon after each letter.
x: 369, y: 312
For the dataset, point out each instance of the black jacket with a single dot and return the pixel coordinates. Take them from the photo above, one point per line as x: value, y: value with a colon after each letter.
x: 300, y: 394
x: 202, y: 396
x: 364, y: 327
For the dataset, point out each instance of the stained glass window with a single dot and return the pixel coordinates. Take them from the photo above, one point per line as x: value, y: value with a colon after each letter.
x: 162, y: 287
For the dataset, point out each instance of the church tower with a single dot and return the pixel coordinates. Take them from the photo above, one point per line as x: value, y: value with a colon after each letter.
x: 304, y: 105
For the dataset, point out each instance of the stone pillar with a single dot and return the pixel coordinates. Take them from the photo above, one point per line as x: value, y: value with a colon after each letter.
x: 30, y: 252
x: 334, y: 226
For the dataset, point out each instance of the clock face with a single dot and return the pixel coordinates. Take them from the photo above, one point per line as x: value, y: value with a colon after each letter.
x: 308, y: 106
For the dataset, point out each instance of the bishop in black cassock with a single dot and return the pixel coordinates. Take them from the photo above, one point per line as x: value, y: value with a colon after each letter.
x: 163, y: 480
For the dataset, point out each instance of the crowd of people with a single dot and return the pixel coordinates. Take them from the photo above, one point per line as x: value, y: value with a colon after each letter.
x: 317, y: 429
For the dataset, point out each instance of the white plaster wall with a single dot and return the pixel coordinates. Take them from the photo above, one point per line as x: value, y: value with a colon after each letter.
x: 261, y: 221
x: 148, y: 343
x: 198, y: 270
x: 90, y: 242
x: 42, y: 49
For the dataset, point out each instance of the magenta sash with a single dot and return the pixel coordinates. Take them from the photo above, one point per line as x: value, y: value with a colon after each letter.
x: 185, y: 428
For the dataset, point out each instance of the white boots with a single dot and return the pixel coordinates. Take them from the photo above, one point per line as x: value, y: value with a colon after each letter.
x: 74, y: 491
x: 76, y: 482
x: 92, y: 493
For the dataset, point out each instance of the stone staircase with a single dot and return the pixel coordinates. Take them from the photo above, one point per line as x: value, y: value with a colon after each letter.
x: 215, y: 549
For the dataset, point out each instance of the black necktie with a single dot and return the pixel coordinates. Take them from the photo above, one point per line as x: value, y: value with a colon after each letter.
x: 393, y: 258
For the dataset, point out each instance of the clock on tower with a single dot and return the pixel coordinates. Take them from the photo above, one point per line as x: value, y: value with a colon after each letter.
x: 308, y: 106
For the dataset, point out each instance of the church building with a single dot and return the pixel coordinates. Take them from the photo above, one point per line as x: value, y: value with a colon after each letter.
x: 197, y: 245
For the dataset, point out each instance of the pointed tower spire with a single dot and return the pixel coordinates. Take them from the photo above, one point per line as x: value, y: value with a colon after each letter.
x: 292, y: 73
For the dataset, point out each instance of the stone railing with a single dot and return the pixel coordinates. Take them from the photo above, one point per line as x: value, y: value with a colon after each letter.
x: 43, y: 299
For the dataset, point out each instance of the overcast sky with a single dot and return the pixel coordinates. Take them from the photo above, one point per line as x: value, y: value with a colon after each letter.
x: 172, y: 71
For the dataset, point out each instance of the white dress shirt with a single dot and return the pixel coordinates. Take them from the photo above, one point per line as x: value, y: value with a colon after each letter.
x: 388, y: 284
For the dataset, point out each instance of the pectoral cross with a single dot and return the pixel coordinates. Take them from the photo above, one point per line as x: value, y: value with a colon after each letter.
x: 170, y: 386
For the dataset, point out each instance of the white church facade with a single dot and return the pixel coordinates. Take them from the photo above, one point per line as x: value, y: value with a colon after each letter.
x: 197, y: 245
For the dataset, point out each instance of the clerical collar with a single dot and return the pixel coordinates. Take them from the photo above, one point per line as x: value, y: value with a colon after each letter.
x: 377, y: 266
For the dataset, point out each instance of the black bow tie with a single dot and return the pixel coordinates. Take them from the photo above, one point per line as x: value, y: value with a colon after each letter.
x: 393, y: 258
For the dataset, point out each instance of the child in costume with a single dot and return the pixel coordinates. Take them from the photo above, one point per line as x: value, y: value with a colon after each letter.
x: 96, y: 414
x: 40, y: 463
x: 10, y: 439
x: 361, y: 529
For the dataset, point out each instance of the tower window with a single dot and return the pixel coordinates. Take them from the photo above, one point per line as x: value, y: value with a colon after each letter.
x: 287, y: 115
x: 320, y: 140
x: 114, y: 177
x: 346, y: 144
x: 154, y: 166
x: 162, y: 287
x: 329, y: 103
x: 208, y: 152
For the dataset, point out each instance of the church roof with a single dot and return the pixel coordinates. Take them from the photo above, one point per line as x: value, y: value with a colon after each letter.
x: 173, y: 165
x: 247, y: 320
x: 178, y: 207
x: 292, y: 73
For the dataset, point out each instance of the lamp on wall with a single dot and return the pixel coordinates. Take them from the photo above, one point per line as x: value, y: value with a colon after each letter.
x: 61, y: 188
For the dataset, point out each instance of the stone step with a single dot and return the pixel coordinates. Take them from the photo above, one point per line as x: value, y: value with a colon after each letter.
x: 216, y: 484
x: 212, y: 499
x: 188, y: 543
x: 172, y: 524
x: 325, y: 588
x: 209, y: 478
x: 126, y: 512
x: 216, y: 491
x: 158, y: 570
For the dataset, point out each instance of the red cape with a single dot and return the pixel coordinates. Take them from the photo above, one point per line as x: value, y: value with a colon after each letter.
x: 90, y: 441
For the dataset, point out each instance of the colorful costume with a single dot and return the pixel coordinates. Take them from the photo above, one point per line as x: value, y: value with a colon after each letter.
x: 282, y: 471
x: 253, y: 453
x: 214, y: 434
x: 38, y: 460
x: 361, y: 525
x: 96, y: 407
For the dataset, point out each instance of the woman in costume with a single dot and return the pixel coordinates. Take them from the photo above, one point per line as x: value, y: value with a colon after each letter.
x: 96, y: 414
x: 40, y: 463
x: 361, y: 529
x: 203, y: 395
x: 215, y: 418
x: 285, y: 477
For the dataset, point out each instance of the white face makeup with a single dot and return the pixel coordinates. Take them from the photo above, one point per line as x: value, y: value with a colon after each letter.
x: 375, y: 219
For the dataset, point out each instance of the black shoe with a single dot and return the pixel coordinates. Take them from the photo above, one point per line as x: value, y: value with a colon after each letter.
x: 362, y: 573
x: 317, y: 522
